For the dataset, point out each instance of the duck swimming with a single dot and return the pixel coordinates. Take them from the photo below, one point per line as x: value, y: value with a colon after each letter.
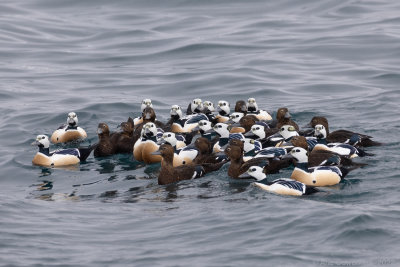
x: 281, y: 186
x: 69, y: 132
x: 170, y: 174
x: 60, y: 157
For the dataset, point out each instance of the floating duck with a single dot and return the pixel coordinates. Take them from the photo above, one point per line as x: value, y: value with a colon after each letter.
x: 60, y: 157
x: 281, y: 186
x: 315, y: 176
x: 224, y: 110
x: 342, y: 136
x: 105, y: 147
x: 252, y: 108
x: 147, y: 144
x: 196, y: 106
x: 180, y: 124
x: 170, y: 174
x: 69, y: 132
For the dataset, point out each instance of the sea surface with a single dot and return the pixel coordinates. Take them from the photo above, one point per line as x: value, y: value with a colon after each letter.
x: 339, y: 59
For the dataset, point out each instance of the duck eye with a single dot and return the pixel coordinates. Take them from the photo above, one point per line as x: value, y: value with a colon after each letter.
x: 43, y: 137
x: 169, y: 135
x: 228, y: 149
x: 258, y: 128
x: 219, y: 126
x: 224, y: 104
x: 253, y: 169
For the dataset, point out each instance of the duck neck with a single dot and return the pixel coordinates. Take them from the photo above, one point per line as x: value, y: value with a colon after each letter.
x: 322, y: 141
x: 223, y: 141
x: 303, y: 166
x: 43, y: 150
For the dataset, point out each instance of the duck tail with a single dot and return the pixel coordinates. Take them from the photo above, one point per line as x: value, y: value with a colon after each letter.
x: 311, y: 190
x: 366, y: 142
x: 85, y: 151
x: 346, y: 170
x: 362, y: 153
x: 349, y: 162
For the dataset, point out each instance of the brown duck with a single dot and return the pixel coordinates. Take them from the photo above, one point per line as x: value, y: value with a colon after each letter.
x: 238, y: 166
x: 170, y: 174
x: 283, y: 117
x: 104, y: 147
x: 209, y: 160
x: 123, y: 141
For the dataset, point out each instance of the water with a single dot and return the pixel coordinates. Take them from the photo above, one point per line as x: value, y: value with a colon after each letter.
x: 339, y: 59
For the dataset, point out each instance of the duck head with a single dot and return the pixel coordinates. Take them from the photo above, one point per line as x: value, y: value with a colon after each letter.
x: 208, y: 107
x: 283, y: 114
x: 102, y: 129
x: 149, y: 114
x: 241, y: 106
x: 288, y: 131
x: 149, y: 130
x: 320, y: 131
x: 223, y: 108
x: 255, y: 172
x: 221, y: 129
x: 176, y: 111
x: 196, y: 105
x: 146, y: 103
x: 168, y: 138
x: 72, y: 119
x: 299, y: 154
x: 252, y: 105
x: 299, y: 141
x: 42, y: 141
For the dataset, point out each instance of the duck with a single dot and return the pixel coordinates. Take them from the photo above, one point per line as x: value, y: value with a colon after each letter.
x: 69, y: 132
x: 210, y: 161
x: 343, y: 136
x: 224, y: 110
x: 281, y: 186
x: 196, y: 106
x: 343, y: 149
x: 238, y: 166
x: 147, y: 144
x: 315, y: 176
x: 224, y: 136
x: 180, y: 124
x: 60, y: 157
x: 323, y: 157
x: 124, y: 141
x: 252, y: 108
x: 170, y: 174
x: 105, y: 147
x: 205, y: 129
x: 145, y: 103
x: 241, y: 106
x: 260, y: 131
x: 184, y: 154
x: 209, y: 106
x: 283, y: 117
x: 177, y: 142
x: 234, y: 122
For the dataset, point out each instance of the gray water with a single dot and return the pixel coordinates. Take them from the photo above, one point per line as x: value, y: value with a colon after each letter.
x: 339, y: 59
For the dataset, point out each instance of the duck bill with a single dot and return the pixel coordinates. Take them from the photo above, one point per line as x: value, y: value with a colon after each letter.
x: 35, y: 143
x: 246, y: 176
x: 287, y: 115
x: 195, y: 129
x: 161, y: 141
x: 156, y: 153
x: 250, y: 134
